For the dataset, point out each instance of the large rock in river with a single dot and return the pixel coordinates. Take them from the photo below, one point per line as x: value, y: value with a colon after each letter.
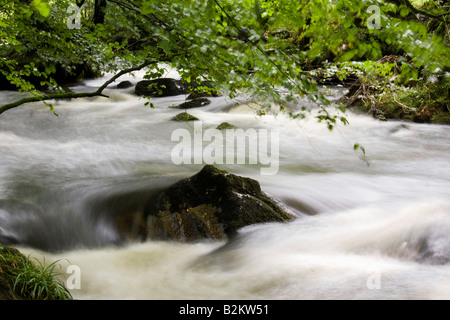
x: 167, y: 87
x: 163, y: 87
x: 212, y: 204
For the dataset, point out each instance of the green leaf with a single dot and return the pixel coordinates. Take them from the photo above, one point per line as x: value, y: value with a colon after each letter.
x: 42, y: 6
x: 404, y: 12
x: 50, y: 68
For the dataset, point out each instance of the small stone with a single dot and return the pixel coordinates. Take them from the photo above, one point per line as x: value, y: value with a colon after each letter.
x: 196, y: 103
x: 184, y: 116
x: 225, y: 126
x: 124, y: 85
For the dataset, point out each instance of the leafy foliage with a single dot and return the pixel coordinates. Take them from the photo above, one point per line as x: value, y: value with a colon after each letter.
x: 20, y: 278
x: 251, y: 47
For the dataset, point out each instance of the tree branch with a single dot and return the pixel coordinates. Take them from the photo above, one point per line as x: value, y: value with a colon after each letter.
x: 56, y: 96
x: 71, y: 95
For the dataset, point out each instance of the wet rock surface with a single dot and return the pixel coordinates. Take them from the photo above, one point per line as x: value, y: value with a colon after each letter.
x: 212, y: 204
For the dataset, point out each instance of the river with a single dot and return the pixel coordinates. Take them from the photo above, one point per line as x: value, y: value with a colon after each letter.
x: 367, y: 228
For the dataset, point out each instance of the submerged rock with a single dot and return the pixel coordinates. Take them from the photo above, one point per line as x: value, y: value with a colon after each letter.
x: 196, y: 103
x: 124, y: 85
x: 225, y: 126
x: 184, y: 116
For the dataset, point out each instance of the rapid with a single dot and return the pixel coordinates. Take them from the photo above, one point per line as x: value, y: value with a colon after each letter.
x: 373, y: 226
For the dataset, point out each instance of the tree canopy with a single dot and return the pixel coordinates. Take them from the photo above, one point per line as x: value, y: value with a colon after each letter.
x: 243, y: 46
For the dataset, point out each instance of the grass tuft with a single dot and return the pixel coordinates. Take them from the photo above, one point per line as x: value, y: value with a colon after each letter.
x: 39, y: 282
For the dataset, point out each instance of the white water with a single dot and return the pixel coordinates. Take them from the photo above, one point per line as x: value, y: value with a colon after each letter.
x: 380, y: 231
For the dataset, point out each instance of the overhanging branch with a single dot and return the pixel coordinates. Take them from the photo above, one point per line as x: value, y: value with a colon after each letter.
x: 71, y: 95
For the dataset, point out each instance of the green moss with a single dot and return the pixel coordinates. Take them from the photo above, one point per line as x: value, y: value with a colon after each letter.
x: 21, y: 279
x: 10, y: 262
x: 212, y: 204
x: 225, y: 126
x: 441, y: 118
x: 423, y: 102
x: 184, y: 116
x: 206, y: 214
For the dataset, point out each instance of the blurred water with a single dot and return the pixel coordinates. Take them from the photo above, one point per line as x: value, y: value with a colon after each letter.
x: 377, y: 231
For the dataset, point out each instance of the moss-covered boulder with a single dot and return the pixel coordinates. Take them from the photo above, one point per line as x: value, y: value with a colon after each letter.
x: 162, y: 87
x: 226, y: 126
x: 21, y: 279
x: 10, y: 262
x: 212, y: 204
x: 184, y: 116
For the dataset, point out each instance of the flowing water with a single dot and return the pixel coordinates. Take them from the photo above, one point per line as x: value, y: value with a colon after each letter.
x: 374, y: 228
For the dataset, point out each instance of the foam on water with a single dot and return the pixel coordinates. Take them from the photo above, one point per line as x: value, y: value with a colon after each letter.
x: 377, y: 231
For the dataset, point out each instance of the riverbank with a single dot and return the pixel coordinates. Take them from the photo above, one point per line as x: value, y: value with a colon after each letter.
x: 422, y: 102
x: 382, y: 90
x: 23, y: 279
